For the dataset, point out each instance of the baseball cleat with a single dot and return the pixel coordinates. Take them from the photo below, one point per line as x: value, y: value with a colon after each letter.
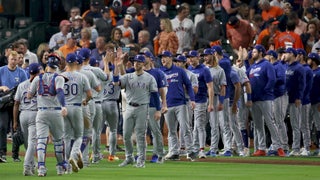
x: 140, y: 165
x: 42, y: 171
x: 294, y: 153
x: 174, y: 157
x: 202, y: 154
x: 281, y: 153
x: 305, y: 153
x: 154, y: 158
x: 160, y: 160
x: 227, y: 153
x: 259, y: 153
x: 27, y: 171
x: 126, y: 162
x: 192, y: 156
x: 80, y: 161
x: 74, y: 165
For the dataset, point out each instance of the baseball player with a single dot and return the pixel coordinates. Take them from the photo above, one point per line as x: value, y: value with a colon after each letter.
x: 51, y: 109
x: 177, y: 109
x: 110, y: 108
x: 295, y: 85
x: 97, y: 121
x: 140, y: 87
x: 158, y: 153
x: 95, y: 107
x: 181, y: 61
x: 219, y: 85
x: 314, y: 62
x: 305, y: 109
x: 204, y: 101
x: 28, y: 108
x: 74, y: 89
x: 280, y: 102
x: 262, y: 79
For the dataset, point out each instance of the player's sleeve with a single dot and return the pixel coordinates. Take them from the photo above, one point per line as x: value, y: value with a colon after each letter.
x: 163, y: 77
x: 271, y: 78
x: 234, y: 77
x: 153, y: 84
x: 207, y: 75
x: 59, y: 82
x: 187, y: 84
x: 100, y: 74
x: 18, y: 95
x: 123, y: 80
x: 194, y: 80
x: 34, y: 85
x: 95, y: 82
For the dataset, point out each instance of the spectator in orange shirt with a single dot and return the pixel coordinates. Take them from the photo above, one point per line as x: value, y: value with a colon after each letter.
x: 269, y: 11
x: 69, y: 47
x: 168, y: 39
x: 239, y: 33
x: 289, y: 38
x: 271, y: 30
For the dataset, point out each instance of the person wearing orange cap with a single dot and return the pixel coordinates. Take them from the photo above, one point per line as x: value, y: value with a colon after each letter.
x: 60, y: 38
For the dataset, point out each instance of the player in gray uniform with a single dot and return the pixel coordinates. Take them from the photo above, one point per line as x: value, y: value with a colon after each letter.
x: 51, y: 109
x: 219, y: 85
x: 139, y: 86
x: 181, y: 61
x: 76, y: 86
x: 28, y: 108
x: 97, y: 98
x: 92, y: 105
x: 154, y: 124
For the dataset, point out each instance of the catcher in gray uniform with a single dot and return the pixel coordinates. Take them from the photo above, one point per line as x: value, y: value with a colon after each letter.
x: 51, y: 109
x: 139, y: 86
x: 77, y: 85
x: 28, y: 108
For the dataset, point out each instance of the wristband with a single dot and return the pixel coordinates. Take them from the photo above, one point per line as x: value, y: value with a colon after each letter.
x: 115, y: 78
x: 249, y: 97
x: 221, y: 99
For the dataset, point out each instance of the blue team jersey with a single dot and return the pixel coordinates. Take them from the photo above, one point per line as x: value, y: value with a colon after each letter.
x: 315, y: 89
x: 309, y: 80
x: 233, y: 79
x: 280, y: 86
x: 295, y: 81
x: 161, y: 82
x: 177, y: 80
x: 204, y: 76
x: 262, y: 78
x: 10, y: 78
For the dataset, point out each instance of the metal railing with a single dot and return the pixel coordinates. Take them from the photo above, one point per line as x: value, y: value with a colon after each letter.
x: 35, y: 34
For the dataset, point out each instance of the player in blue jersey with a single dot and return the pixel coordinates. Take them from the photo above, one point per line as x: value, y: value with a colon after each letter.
x: 314, y: 62
x: 280, y: 103
x: 295, y: 85
x: 262, y: 79
x: 204, y: 101
x: 177, y: 109
x: 305, y: 109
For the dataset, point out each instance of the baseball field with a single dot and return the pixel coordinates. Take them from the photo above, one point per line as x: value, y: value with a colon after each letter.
x: 270, y: 168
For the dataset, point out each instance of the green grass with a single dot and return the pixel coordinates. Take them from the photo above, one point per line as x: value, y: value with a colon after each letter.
x: 172, y: 170
x: 175, y: 170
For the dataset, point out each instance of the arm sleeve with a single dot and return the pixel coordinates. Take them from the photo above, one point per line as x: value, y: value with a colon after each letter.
x: 155, y: 96
x: 60, y: 96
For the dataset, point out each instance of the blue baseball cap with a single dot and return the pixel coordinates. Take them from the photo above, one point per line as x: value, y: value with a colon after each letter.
x: 192, y: 53
x: 85, y: 53
x: 291, y: 50
x: 71, y: 58
x: 314, y: 56
x: 272, y: 53
x: 217, y: 49
x: 207, y: 51
x: 260, y: 48
x: 79, y: 59
x: 139, y: 58
x: 93, y: 61
x: 166, y: 54
x: 34, y: 68
x: 148, y: 54
x: 301, y: 51
x: 180, y: 58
